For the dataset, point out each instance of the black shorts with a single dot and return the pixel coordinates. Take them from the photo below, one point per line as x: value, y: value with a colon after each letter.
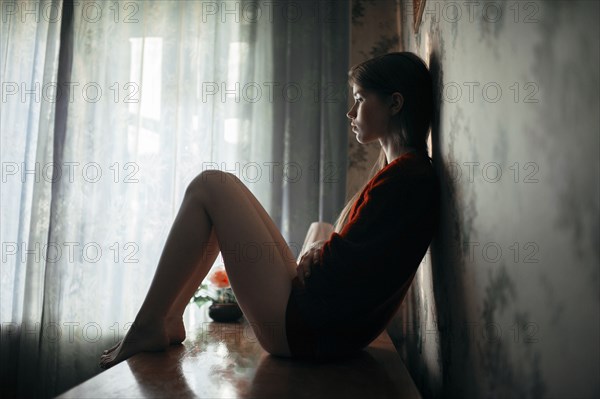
x: 312, y: 335
x: 302, y: 338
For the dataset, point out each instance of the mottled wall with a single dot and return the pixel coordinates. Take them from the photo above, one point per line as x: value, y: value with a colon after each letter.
x: 506, y: 304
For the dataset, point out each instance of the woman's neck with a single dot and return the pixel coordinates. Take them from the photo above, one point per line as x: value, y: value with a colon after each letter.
x: 393, y: 154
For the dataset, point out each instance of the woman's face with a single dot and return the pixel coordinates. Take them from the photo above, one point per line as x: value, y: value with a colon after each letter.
x: 370, y: 115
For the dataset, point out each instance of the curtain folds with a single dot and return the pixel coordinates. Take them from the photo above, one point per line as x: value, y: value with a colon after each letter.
x: 312, y: 63
x: 103, y: 128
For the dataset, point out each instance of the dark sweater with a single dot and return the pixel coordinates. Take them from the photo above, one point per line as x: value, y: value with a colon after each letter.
x: 366, y: 269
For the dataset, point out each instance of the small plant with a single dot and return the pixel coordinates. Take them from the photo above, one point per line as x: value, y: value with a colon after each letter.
x: 217, y: 290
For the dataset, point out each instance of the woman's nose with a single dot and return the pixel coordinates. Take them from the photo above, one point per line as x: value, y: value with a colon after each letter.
x: 351, y: 114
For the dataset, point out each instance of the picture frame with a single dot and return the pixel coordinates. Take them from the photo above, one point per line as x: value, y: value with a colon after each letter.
x: 418, y: 7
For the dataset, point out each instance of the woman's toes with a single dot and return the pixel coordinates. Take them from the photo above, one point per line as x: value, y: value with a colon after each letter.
x: 105, y: 361
x: 111, y: 349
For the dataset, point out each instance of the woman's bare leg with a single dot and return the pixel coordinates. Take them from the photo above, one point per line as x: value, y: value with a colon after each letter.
x: 256, y: 263
x: 175, y: 327
x: 175, y: 317
x: 174, y: 320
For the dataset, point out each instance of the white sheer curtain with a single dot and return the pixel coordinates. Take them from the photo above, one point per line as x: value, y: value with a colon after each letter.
x: 98, y: 148
x: 27, y: 126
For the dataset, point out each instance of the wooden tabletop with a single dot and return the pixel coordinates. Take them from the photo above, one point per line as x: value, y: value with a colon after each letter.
x: 225, y: 361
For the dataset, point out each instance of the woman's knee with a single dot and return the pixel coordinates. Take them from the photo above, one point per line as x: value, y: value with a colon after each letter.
x: 208, y: 181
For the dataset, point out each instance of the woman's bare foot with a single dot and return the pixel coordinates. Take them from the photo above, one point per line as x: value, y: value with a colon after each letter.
x: 141, y: 337
x: 175, y: 332
x: 112, y: 349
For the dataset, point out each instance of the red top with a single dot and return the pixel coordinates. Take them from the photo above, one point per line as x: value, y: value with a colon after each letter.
x: 367, y: 268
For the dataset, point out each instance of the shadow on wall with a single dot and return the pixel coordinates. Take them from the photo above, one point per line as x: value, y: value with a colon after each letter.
x: 447, y: 267
x: 468, y: 362
x: 451, y: 371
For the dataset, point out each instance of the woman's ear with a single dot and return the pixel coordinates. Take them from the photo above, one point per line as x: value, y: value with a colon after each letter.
x: 397, y: 103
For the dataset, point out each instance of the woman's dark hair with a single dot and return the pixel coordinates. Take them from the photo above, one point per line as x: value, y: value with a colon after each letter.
x: 407, y: 74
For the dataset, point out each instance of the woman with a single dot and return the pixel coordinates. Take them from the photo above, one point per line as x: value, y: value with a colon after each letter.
x: 345, y: 290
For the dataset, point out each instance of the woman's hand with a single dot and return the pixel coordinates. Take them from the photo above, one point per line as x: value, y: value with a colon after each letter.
x: 310, y: 259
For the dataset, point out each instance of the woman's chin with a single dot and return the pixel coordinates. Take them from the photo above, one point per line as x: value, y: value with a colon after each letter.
x: 361, y: 139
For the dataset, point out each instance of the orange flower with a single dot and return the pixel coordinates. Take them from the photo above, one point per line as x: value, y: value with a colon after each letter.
x: 219, y: 278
